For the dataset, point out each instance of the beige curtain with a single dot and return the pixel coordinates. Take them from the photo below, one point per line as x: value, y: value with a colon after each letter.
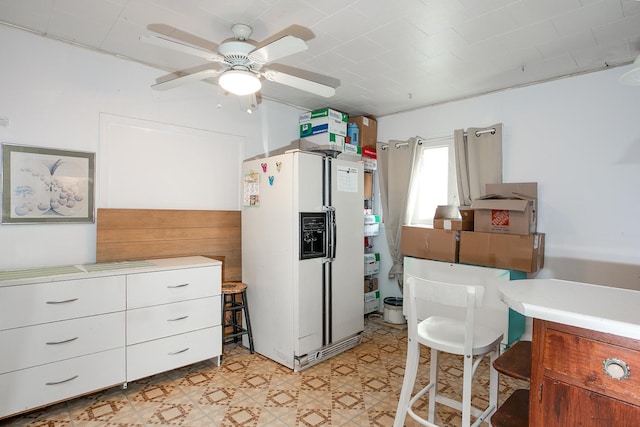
x: 478, y: 154
x: 396, y: 161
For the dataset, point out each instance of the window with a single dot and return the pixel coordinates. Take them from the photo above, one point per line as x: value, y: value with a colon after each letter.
x: 435, y: 183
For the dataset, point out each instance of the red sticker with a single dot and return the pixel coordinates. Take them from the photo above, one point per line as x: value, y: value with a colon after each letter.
x: 499, y: 218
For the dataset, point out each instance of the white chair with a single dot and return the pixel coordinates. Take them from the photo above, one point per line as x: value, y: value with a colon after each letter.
x: 462, y: 337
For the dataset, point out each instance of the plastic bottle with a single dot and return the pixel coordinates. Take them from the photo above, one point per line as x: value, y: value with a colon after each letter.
x: 353, y: 133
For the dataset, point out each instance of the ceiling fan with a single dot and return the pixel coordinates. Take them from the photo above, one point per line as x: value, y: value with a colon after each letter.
x: 239, y: 63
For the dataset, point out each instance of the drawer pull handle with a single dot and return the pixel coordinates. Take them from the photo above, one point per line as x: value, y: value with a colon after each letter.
x: 616, y: 368
x: 177, y: 318
x: 62, y: 342
x: 177, y: 286
x: 179, y: 351
x: 63, y: 381
x: 62, y: 302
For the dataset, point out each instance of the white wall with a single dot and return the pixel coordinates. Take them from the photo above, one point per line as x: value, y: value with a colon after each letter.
x: 53, y: 95
x: 579, y: 138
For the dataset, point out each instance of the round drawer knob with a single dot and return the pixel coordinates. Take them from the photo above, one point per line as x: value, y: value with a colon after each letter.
x: 616, y: 368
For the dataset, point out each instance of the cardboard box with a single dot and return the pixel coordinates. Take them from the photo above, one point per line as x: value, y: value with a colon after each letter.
x: 509, y: 251
x: 429, y: 243
x: 370, y: 284
x: 507, y: 208
x: 324, y: 141
x: 369, y: 152
x: 371, y: 263
x: 324, y: 120
x: 352, y: 149
x: 371, y: 225
x: 369, y: 163
x: 371, y: 302
x: 367, y: 129
x: 448, y: 217
x: 368, y: 185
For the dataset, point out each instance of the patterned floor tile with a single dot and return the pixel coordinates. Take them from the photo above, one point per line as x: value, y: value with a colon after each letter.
x: 359, y: 387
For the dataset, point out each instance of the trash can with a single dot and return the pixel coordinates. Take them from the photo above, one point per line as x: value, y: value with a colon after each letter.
x: 393, y: 311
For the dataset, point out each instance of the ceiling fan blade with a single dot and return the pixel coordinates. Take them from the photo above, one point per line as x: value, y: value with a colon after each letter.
x: 181, y: 80
x: 181, y: 47
x: 300, y: 83
x: 182, y: 36
x: 284, y: 46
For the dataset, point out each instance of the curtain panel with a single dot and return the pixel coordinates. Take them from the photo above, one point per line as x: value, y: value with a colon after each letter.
x: 478, y: 154
x: 396, y: 161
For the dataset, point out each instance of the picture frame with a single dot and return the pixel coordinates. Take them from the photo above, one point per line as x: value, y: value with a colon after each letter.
x: 47, y: 185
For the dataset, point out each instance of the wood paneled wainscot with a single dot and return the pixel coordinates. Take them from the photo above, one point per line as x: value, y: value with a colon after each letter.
x: 585, y: 364
x: 71, y: 330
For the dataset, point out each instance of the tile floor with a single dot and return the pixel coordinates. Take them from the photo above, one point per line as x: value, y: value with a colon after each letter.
x: 359, y: 387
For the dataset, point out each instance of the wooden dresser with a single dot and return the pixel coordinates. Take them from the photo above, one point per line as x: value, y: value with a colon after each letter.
x: 71, y: 330
x: 585, y: 353
x: 584, y: 378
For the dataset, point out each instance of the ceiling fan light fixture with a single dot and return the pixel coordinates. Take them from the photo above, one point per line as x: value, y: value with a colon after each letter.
x: 632, y: 77
x: 240, y: 82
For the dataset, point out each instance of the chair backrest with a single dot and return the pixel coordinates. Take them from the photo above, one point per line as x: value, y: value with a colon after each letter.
x: 452, y: 294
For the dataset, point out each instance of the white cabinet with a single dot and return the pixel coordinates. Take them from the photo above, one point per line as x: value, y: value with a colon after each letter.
x: 65, y: 335
x: 173, y: 319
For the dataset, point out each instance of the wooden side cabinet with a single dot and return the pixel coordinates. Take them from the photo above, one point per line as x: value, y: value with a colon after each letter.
x: 583, y: 378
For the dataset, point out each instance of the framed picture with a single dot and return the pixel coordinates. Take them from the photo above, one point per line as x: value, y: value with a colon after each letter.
x: 44, y: 185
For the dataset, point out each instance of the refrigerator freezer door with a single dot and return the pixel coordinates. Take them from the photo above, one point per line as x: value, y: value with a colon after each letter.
x: 269, y: 255
x: 308, y: 273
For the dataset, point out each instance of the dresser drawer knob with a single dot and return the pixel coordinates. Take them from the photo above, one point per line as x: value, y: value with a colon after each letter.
x: 616, y: 368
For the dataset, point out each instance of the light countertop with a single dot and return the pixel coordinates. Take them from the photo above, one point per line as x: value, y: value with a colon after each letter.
x: 600, y: 308
x: 71, y: 272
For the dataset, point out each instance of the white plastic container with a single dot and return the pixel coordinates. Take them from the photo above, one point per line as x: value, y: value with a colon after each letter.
x: 393, y: 311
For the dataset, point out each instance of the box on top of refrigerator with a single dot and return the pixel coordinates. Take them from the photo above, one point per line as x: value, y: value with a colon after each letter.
x: 509, y: 208
x: 324, y: 120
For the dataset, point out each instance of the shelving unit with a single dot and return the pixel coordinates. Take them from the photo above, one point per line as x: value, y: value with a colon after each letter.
x: 371, y: 230
x: 515, y: 363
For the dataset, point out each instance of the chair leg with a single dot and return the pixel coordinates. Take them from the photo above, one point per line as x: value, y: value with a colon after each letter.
x: 493, y: 381
x: 223, y: 319
x: 410, y: 372
x: 467, y: 380
x: 247, y: 320
x: 434, y: 364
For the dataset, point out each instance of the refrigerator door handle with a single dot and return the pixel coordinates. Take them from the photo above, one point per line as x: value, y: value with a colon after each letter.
x: 332, y: 232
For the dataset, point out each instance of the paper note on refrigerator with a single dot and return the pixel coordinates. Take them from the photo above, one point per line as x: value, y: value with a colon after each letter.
x: 251, y: 190
x: 347, y: 179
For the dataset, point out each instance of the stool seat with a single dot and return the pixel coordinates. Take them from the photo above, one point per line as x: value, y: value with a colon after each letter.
x: 229, y: 288
x: 234, y: 304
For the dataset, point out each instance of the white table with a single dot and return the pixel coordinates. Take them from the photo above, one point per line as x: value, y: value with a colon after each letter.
x: 599, y: 308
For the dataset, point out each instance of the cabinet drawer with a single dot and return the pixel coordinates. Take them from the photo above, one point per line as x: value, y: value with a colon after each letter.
x: 579, y: 361
x: 161, y: 287
x: 27, y: 305
x: 161, y: 355
x: 29, y: 388
x: 145, y: 324
x: 36, y: 345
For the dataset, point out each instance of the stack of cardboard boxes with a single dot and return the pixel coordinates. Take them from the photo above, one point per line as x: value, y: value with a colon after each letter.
x: 326, y: 129
x: 498, y: 230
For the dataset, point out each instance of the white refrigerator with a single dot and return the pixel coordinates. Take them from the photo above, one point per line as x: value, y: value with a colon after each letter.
x: 302, y: 255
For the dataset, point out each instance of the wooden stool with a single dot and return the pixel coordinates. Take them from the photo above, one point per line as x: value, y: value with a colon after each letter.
x: 232, y: 304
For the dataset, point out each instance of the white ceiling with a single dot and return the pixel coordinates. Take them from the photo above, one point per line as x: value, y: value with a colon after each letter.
x: 389, y: 55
